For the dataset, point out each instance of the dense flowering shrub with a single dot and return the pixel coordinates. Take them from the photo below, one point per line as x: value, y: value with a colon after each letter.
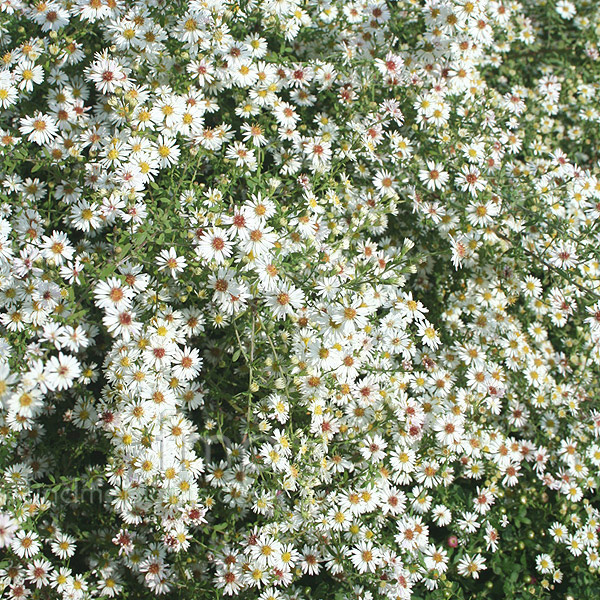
x: 299, y: 299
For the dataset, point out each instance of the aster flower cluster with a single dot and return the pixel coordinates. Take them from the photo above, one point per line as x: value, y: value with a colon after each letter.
x: 299, y: 299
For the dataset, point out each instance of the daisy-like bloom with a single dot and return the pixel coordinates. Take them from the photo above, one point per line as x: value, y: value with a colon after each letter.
x: 8, y: 93
x: 186, y: 363
x: 168, y: 259
x: 575, y: 544
x: 243, y: 156
x: 113, y: 294
x: 563, y: 255
x: 230, y: 581
x: 279, y: 407
x: 265, y: 551
x: 482, y: 213
x: 470, y: 180
x: 7, y: 530
x: 436, y: 558
x: 300, y: 75
x: 428, y: 334
x: 202, y: 70
x: 107, y: 73
x: 236, y: 300
x: 352, y: 316
x: 215, y: 245
x: 441, y: 515
x: 284, y: 300
x: 385, y: 183
x: 40, y: 128
x: 30, y: 74
x: 594, y: 319
x: 85, y: 216
x: 18, y: 590
x: 191, y: 121
x: 63, y: 546
x: 79, y: 586
x: 285, y: 115
x: 374, y: 448
x: 287, y: 556
x: 434, y: 176
x: 38, y: 572
x: 566, y: 9
x: 365, y: 557
x: 222, y: 283
x: 26, y: 544
x: 544, y: 563
x: 168, y: 151
x: 531, y: 286
x: 474, y: 151
x: 109, y: 584
x: 26, y: 403
x: 61, y: 371
x: 13, y: 320
x: 268, y: 274
x: 255, y: 134
x: 153, y: 568
x: 394, y: 501
x: 309, y: 562
x: 193, y: 321
x: 449, y: 429
x: 53, y: 18
x: 259, y: 208
x: 484, y: 500
x: 159, y: 352
x: 470, y: 566
x: 90, y: 10
x: 318, y: 151
x: 61, y: 579
x: 258, y: 239
x: 468, y: 522
x: 190, y: 28
x: 57, y: 248
x: 122, y: 323
x: 421, y: 501
x: 244, y: 74
x: 391, y: 66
